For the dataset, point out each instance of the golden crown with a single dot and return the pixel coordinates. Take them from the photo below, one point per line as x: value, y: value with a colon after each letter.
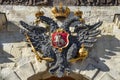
x: 61, y: 11
x: 78, y: 13
x: 39, y: 13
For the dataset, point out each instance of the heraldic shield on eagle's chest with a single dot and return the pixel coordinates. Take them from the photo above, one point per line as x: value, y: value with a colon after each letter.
x: 57, y: 44
x: 60, y: 38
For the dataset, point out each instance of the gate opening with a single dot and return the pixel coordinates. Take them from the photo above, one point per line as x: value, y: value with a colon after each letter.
x: 47, y: 76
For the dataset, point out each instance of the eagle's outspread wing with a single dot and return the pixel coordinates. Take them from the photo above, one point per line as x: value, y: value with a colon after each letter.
x: 87, y: 34
x: 82, y: 34
x: 36, y: 35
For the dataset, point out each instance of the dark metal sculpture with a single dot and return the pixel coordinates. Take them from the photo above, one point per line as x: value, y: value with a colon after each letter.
x: 60, y: 58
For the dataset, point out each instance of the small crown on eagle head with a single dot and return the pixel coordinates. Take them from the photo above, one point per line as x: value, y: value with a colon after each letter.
x: 78, y: 13
x: 39, y: 13
x: 61, y: 11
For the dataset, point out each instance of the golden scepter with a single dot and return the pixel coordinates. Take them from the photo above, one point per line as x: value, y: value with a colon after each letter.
x: 39, y: 58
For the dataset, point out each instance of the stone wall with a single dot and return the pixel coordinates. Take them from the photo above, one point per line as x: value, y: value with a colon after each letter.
x: 17, y: 62
x: 91, y: 14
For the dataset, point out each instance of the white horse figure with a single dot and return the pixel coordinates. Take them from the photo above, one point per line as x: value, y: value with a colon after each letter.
x: 59, y: 40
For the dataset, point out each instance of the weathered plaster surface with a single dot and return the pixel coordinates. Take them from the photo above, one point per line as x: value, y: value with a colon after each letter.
x: 17, y: 62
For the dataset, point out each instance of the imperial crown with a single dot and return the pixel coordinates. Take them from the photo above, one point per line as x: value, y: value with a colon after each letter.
x: 61, y: 11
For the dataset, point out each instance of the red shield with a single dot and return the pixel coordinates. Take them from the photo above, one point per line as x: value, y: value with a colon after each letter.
x: 60, y: 38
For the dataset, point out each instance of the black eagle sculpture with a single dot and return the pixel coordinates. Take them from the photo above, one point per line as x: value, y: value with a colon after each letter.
x: 41, y: 41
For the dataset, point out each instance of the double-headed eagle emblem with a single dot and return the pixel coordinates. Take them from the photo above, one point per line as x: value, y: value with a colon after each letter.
x: 58, y: 45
